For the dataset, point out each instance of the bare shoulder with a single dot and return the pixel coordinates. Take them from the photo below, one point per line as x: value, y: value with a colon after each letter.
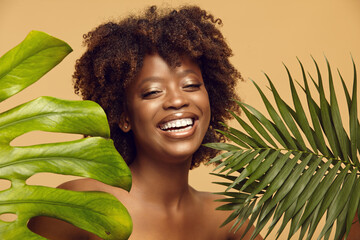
x: 212, y: 202
x: 88, y: 184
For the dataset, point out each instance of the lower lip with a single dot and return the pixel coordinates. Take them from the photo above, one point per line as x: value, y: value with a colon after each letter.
x: 181, y: 134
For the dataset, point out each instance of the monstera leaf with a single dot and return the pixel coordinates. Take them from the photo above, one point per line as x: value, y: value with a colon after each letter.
x: 295, y: 165
x: 94, y: 157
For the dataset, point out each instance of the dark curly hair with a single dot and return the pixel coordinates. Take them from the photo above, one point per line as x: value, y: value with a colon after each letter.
x: 115, y: 54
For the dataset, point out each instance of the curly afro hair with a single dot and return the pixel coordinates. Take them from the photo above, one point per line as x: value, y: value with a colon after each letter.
x: 115, y: 53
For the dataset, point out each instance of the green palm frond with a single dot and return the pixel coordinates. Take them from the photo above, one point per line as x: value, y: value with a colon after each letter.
x: 299, y: 164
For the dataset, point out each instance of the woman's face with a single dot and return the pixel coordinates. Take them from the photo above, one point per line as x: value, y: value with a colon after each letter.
x: 168, y: 109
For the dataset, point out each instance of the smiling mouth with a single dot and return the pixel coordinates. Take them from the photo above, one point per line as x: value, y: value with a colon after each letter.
x: 177, y: 125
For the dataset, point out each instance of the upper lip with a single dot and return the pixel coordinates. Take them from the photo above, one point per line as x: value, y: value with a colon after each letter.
x: 177, y: 115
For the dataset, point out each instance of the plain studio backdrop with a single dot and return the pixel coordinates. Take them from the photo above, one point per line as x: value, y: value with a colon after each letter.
x: 263, y: 35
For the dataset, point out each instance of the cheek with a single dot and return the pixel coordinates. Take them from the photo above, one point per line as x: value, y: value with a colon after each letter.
x: 207, y: 111
x: 203, y: 103
x: 143, y: 113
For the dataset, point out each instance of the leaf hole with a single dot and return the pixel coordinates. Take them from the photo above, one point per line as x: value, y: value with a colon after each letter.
x: 4, y: 184
x: 41, y: 137
x: 8, y: 217
x: 49, y: 179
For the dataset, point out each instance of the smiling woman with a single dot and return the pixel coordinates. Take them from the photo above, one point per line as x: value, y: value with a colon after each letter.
x: 165, y: 81
x: 168, y: 110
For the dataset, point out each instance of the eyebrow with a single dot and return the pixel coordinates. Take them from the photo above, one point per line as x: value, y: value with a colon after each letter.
x: 180, y: 74
x: 186, y: 72
x: 149, y: 79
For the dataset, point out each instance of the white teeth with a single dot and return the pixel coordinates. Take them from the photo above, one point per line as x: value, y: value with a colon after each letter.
x: 178, y: 123
x: 180, y: 130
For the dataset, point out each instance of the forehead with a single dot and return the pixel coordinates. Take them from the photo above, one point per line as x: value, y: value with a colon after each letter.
x: 154, y: 66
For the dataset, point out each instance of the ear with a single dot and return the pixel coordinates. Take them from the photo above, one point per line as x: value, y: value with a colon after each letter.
x: 124, y: 123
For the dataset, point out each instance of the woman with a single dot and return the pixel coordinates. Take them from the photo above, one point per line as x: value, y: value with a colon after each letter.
x: 165, y: 82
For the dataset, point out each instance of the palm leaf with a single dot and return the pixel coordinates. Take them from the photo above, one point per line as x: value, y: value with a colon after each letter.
x: 94, y: 157
x: 314, y: 172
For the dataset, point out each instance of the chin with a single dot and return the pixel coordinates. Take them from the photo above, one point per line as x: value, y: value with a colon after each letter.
x: 181, y: 153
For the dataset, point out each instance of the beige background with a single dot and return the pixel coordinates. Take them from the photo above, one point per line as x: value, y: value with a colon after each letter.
x: 262, y: 34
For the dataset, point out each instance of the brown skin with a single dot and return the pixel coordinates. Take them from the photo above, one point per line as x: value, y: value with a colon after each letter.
x: 161, y: 202
x: 194, y: 217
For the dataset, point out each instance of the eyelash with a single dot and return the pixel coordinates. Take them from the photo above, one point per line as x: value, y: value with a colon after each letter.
x: 148, y: 94
x: 193, y: 86
x: 187, y: 87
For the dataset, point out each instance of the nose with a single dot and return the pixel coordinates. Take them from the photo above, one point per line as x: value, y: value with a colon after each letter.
x: 175, y: 99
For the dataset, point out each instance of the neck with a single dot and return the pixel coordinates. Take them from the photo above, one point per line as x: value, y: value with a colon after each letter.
x: 163, y: 184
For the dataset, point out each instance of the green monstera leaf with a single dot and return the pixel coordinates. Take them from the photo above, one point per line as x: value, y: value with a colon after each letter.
x: 93, y: 157
x: 294, y: 166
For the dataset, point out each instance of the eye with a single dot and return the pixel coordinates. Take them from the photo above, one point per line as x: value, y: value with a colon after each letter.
x: 192, y: 87
x: 150, y: 94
